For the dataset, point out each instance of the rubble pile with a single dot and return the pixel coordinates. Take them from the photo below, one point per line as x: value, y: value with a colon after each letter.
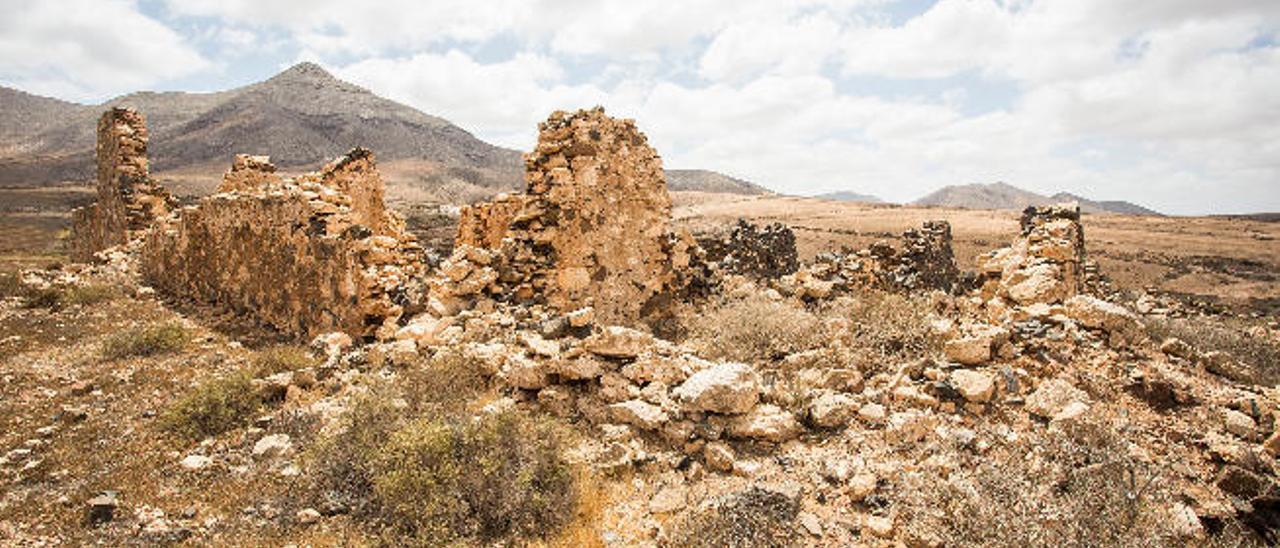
x: 315, y: 254
x: 757, y: 251
x: 924, y: 263
x: 591, y: 229
x: 128, y: 199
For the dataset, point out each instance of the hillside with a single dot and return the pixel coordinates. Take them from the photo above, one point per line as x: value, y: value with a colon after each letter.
x: 847, y: 196
x: 301, y: 117
x: 702, y: 180
x: 1002, y: 195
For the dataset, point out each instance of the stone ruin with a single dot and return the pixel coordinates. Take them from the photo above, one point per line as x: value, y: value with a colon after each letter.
x: 309, y: 255
x: 925, y: 262
x: 592, y: 229
x: 128, y: 199
x: 1045, y: 265
x: 760, y: 252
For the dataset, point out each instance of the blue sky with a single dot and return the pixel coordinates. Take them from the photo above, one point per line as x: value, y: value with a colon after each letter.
x: 1170, y: 104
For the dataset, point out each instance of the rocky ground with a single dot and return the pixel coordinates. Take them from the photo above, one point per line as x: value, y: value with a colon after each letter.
x: 788, y: 410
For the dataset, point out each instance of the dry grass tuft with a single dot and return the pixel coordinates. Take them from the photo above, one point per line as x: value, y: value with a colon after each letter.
x: 58, y: 297
x: 213, y: 407
x: 282, y: 358
x: 1075, y: 487
x: 146, y: 341
x: 1260, y: 355
x: 755, y: 329
x: 749, y: 519
x: 886, y: 329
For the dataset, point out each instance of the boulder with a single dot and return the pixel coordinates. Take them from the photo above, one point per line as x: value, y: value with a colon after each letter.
x: 729, y: 388
x: 1052, y: 397
x: 765, y: 423
x: 832, y: 410
x: 618, y: 342
x: 975, y: 386
x: 639, y: 414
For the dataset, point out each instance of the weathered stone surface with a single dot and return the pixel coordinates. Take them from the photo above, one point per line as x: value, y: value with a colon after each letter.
x: 832, y: 410
x: 250, y: 172
x: 1099, y: 314
x: 308, y: 256
x: 925, y: 262
x: 724, y: 388
x: 766, y: 423
x: 1052, y: 397
x: 128, y: 199
x: 639, y: 414
x: 767, y: 251
x: 618, y: 342
x: 975, y: 386
x: 592, y: 228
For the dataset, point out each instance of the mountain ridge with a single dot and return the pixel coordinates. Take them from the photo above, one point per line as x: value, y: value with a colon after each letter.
x: 1002, y: 195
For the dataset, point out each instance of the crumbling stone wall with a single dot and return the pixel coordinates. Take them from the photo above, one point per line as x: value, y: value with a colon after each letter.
x: 307, y: 256
x: 924, y: 262
x: 591, y: 229
x: 249, y: 172
x: 128, y: 200
x: 1045, y: 264
x: 750, y: 250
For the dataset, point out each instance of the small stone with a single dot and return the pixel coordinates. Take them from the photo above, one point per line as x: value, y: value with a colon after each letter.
x: 810, y: 523
x: 272, y: 446
x: 1272, y: 445
x: 195, y: 462
x: 968, y: 350
x: 766, y: 422
x: 872, y: 413
x: 1177, y: 348
x: 669, y: 499
x: 638, y: 413
x: 975, y: 386
x: 831, y: 410
x: 1240, y: 424
x: 879, y: 526
x: 718, y: 456
x: 101, y: 508
x: 308, y: 516
x: 1052, y: 396
x: 861, y: 485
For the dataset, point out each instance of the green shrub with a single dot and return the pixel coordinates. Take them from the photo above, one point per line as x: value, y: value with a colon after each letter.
x: 751, y: 518
x: 146, y: 341
x: 282, y: 358
x: 213, y: 407
x: 441, y: 480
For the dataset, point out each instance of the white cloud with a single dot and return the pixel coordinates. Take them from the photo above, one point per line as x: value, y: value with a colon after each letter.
x: 88, y: 49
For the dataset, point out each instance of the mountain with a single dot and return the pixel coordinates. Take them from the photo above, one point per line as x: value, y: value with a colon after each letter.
x: 980, y: 196
x: 847, y: 196
x: 301, y: 117
x: 1106, y: 206
x: 1005, y: 196
x: 702, y: 180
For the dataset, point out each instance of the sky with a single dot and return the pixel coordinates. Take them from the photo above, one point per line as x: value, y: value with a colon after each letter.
x: 1172, y: 104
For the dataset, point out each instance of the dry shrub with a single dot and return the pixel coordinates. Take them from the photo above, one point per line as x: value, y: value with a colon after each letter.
x: 282, y: 358
x: 1260, y: 355
x: 425, y: 472
x: 1077, y: 486
x: 213, y: 407
x: 752, y: 518
x: 10, y: 285
x: 58, y: 297
x: 496, y: 477
x: 444, y: 383
x: 755, y: 329
x: 145, y: 341
x: 887, y: 328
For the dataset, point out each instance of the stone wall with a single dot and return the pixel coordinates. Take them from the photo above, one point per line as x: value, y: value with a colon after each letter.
x: 1045, y: 264
x: 128, y: 200
x: 592, y: 227
x: 306, y: 256
x: 767, y: 251
x: 924, y: 262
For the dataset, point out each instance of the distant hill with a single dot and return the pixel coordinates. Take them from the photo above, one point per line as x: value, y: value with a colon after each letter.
x: 702, y: 180
x: 1006, y: 196
x: 1107, y: 206
x: 301, y: 117
x: 847, y: 196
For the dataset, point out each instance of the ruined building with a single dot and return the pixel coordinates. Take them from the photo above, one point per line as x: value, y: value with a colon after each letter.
x: 592, y: 227
x: 128, y: 200
x: 1044, y: 265
x: 925, y: 262
x: 767, y: 251
x: 309, y: 255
